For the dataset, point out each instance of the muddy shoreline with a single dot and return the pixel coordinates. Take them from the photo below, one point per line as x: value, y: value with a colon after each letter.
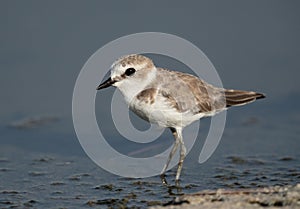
x: 269, y: 197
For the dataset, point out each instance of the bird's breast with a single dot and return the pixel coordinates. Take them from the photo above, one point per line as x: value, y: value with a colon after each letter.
x: 153, y: 108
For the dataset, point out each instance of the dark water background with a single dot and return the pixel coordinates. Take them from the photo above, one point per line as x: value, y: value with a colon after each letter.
x: 253, y: 45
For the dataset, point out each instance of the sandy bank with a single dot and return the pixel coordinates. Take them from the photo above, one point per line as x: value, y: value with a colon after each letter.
x: 272, y: 197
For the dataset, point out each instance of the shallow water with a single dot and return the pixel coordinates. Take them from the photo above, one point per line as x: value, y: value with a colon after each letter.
x: 72, y: 182
x: 56, y: 179
x: 69, y: 182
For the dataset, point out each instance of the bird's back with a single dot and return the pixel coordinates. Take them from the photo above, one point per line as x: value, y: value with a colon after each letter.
x: 192, y: 94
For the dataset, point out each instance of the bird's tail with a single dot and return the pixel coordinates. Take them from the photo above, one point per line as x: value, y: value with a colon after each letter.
x: 237, y: 97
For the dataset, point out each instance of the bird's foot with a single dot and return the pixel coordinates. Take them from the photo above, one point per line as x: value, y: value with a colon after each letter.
x: 175, y: 189
x: 177, y: 183
x: 163, y: 179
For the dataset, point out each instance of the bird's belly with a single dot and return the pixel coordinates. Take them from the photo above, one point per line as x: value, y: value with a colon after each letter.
x: 162, y: 115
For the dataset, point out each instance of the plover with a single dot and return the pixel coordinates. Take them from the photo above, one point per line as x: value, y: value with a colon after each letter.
x: 169, y: 98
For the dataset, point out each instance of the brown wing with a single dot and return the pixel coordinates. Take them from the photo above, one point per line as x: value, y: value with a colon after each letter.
x: 189, y: 92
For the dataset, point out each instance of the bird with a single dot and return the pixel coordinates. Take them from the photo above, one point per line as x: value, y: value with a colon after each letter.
x: 170, y: 99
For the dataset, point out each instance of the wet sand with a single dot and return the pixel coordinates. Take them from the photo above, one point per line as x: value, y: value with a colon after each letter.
x: 269, y: 197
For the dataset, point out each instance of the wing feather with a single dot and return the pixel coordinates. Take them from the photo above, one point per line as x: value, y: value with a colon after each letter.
x: 188, y: 93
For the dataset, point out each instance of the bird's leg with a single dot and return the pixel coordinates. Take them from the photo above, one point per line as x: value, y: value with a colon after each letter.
x: 182, y: 155
x: 174, y: 148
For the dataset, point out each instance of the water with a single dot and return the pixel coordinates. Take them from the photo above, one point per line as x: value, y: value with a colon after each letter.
x: 72, y: 182
x: 254, y: 153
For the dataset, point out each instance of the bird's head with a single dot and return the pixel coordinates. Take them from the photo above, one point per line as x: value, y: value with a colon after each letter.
x: 131, y: 74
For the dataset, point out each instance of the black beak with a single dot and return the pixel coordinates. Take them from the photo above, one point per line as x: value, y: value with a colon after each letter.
x: 106, y: 84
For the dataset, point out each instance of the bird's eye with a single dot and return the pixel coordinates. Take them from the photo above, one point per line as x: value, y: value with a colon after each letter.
x: 130, y: 71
